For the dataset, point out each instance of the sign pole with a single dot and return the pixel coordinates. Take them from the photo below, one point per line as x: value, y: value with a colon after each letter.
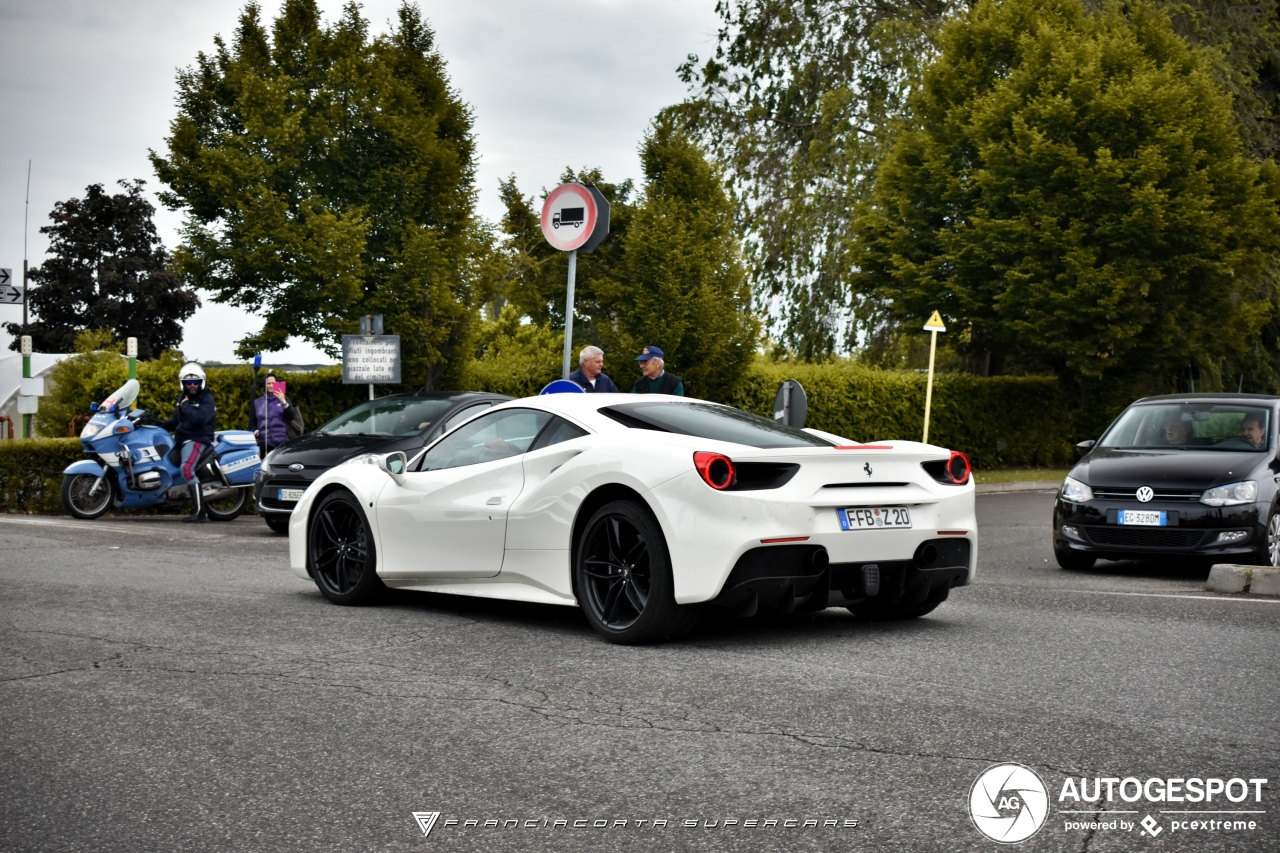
x: 933, y: 326
x: 568, y: 315
x: 131, y: 350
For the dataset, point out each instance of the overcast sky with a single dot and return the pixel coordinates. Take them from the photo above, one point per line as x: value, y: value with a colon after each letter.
x: 87, y: 86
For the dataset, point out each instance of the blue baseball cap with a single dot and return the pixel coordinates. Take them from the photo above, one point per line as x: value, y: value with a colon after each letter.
x: 650, y: 352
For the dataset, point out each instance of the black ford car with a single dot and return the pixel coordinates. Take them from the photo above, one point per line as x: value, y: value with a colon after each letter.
x: 400, y: 422
x: 1193, y: 475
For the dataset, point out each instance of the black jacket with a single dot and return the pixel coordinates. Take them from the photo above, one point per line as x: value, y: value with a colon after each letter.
x: 604, y: 385
x: 667, y: 383
x: 194, y: 418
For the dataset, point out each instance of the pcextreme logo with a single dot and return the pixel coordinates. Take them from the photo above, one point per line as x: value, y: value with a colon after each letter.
x: 1008, y: 803
x: 426, y: 820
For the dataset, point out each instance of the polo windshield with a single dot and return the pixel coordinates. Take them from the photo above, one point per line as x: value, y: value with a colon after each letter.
x: 1192, y: 426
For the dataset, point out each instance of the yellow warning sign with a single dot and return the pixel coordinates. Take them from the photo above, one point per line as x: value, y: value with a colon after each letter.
x: 935, y: 323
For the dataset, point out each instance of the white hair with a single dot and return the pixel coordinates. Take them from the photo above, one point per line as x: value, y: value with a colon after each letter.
x: 589, y: 352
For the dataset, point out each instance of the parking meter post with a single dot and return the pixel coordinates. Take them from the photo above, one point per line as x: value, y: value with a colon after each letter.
x: 26, y: 374
x: 568, y: 315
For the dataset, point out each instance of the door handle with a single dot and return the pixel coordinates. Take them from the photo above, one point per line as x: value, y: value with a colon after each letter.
x: 495, y: 501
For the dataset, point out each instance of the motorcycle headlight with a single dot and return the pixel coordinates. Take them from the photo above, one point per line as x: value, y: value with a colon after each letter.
x: 1245, y: 492
x: 1075, y: 491
x: 90, y: 430
x: 363, y: 459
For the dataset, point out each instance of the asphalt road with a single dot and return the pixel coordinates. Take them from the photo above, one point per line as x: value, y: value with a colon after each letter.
x: 170, y: 689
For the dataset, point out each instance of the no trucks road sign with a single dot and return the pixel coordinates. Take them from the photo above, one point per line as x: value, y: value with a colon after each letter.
x: 575, y: 218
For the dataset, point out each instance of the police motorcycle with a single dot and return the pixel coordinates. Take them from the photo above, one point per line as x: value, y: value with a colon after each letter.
x: 129, y: 464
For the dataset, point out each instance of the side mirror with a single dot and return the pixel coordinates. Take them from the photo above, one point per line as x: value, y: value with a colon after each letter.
x: 394, y: 464
x: 1085, y: 446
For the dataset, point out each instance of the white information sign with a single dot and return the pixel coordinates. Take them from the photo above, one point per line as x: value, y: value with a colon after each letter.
x: 370, y: 358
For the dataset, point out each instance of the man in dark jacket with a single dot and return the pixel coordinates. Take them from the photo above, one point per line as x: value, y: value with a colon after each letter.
x: 656, y: 380
x: 193, y: 423
x: 590, y: 373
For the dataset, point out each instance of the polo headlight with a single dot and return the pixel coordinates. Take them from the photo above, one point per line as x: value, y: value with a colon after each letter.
x: 1075, y: 491
x: 1245, y: 492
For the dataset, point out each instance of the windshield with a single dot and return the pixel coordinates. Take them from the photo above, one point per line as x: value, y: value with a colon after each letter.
x: 706, y: 420
x: 1191, y: 426
x: 122, y: 397
x: 388, y: 416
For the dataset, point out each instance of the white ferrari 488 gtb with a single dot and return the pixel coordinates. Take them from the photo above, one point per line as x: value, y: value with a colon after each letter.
x: 641, y: 510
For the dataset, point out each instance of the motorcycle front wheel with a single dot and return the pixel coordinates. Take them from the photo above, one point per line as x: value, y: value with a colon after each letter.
x: 79, y: 498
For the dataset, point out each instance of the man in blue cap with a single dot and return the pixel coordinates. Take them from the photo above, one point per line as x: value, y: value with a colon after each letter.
x: 656, y: 380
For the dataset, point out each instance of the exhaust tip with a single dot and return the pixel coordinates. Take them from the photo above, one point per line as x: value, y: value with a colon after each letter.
x: 820, y: 559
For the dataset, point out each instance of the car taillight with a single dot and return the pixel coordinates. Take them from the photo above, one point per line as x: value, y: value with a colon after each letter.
x: 715, y: 469
x: 958, y: 468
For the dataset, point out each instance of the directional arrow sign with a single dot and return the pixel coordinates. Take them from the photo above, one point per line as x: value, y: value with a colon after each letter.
x: 6, y: 275
x: 10, y: 295
x: 935, y: 323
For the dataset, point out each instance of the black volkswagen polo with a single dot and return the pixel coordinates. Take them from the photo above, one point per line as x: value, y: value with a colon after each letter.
x: 1193, y: 475
x: 400, y: 422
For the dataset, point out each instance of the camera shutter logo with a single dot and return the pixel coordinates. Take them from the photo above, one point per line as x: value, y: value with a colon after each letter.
x: 426, y: 820
x: 1008, y: 803
x: 1145, y: 494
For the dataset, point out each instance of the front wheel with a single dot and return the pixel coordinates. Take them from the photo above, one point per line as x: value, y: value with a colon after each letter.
x: 340, y: 551
x: 85, y: 496
x: 622, y: 572
x: 278, y: 525
x: 1073, y: 561
x: 228, y: 507
x: 1269, y: 553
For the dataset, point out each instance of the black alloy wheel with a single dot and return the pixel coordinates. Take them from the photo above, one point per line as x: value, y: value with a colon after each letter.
x: 340, y: 552
x: 623, y: 577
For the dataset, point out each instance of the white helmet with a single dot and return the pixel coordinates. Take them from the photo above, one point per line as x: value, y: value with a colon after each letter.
x: 190, y: 372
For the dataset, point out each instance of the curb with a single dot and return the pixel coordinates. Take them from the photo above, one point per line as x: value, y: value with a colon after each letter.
x: 1235, y: 578
x: 1027, y: 486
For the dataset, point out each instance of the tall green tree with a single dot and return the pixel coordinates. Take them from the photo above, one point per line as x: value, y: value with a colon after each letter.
x: 1069, y: 189
x: 325, y: 174
x: 670, y: 273
x: 108, y: 270
x: 791, y: 102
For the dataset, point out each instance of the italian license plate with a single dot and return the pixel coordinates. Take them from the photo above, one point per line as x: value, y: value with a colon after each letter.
x: 1143, y: 517
x: 294, y: 495
x: 874, y: 518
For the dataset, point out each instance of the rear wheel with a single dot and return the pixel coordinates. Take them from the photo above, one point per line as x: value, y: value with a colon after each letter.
x: 623, y: 577
x: 340, y: 551
x: 1073, y: 560
x: 909, y: 607
x: 229, y: 506
x: 85, y: 496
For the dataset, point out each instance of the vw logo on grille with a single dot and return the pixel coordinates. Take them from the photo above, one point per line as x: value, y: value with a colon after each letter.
x: 1145, y: 494
x: 297, y: 466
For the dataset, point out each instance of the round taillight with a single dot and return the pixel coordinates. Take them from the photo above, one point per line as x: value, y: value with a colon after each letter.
x: 958, y: 468
x: 715, y: 469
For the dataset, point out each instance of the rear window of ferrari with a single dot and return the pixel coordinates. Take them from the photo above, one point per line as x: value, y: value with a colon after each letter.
x: 706, y: 420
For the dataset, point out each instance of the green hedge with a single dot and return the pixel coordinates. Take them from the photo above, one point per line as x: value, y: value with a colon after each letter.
x: 31, y: 472
x: 1001, y: 421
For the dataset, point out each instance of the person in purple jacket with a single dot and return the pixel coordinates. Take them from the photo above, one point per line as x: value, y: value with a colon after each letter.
x: 273, y: 419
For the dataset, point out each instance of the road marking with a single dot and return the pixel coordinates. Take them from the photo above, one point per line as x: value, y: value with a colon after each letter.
x: 105, y: 528
x: 1173, y: 595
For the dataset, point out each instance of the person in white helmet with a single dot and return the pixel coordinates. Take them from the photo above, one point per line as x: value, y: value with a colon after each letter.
x: 193, y: 424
